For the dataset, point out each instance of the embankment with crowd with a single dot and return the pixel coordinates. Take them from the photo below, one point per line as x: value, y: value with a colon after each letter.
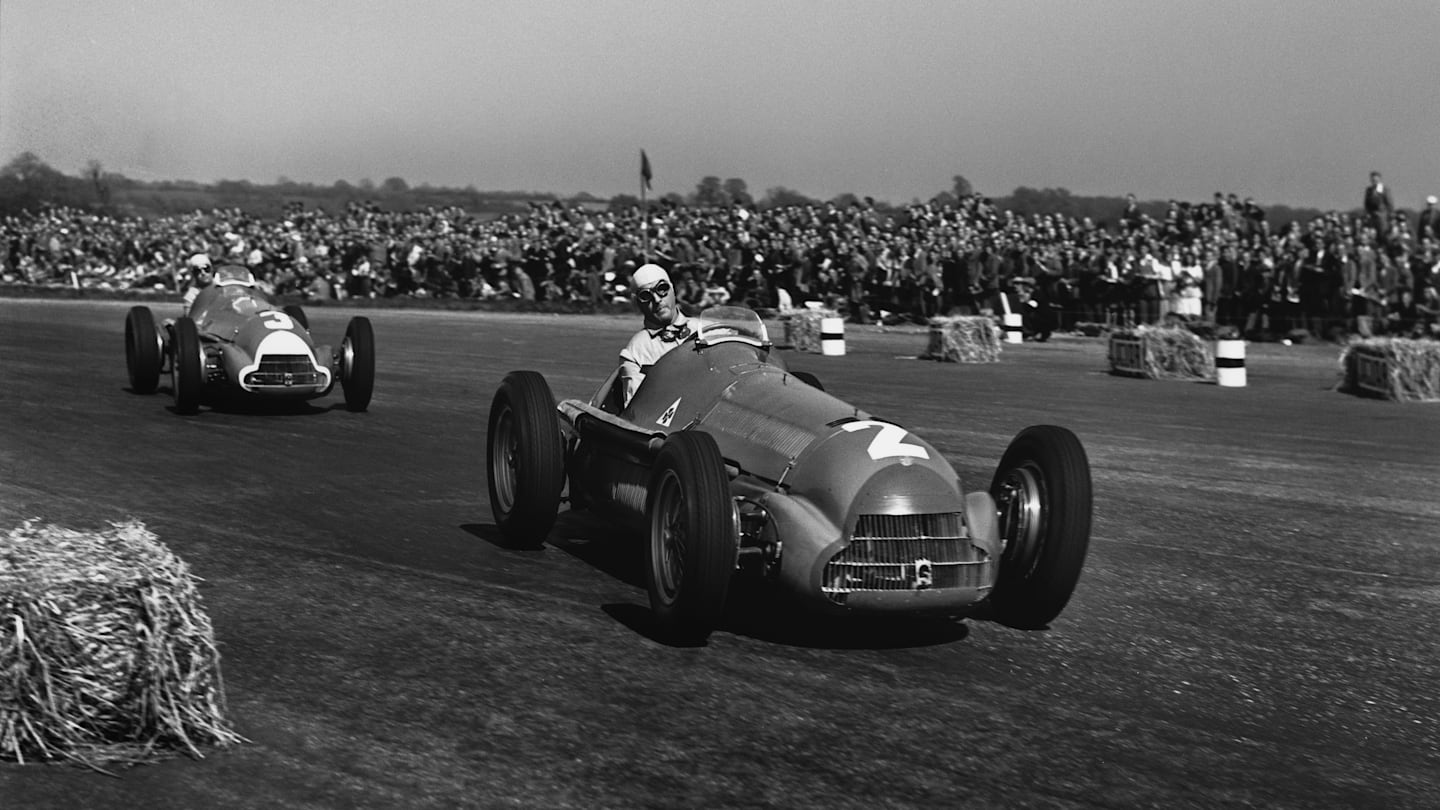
x: 1361, y: 273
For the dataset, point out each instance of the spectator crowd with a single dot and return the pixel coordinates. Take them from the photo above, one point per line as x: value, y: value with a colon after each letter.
x: 1373, y: 271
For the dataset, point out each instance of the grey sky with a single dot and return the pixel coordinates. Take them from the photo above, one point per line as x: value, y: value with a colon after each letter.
x: 1290, y: 102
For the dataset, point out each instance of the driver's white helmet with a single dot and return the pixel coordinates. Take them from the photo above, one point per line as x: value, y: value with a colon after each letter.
x: 198, y: 267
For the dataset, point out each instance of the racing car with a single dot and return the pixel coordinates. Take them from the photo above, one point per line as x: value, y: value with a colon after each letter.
x: 729, y: 464
x: 234, y: 340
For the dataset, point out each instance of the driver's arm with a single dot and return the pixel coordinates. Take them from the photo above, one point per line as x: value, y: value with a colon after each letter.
x: 630, y: 378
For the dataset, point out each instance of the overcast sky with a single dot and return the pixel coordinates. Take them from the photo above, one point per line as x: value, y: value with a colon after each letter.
x: 1290, y: 102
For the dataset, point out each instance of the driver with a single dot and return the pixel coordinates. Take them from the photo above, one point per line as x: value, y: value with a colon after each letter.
x: 201, y: 273
x: 665, y: 326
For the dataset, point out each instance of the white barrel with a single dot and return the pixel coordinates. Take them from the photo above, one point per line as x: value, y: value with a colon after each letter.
x: 1230, y: 363
x: 1014, y: 328
x: 832, y: 336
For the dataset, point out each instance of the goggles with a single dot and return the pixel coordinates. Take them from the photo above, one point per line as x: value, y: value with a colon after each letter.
x: 650, y: 295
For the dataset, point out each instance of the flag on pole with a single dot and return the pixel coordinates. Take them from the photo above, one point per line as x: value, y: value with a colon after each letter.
x: 645, y: 173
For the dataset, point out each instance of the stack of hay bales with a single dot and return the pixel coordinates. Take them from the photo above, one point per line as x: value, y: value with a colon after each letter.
x: 105, y: 652
x: 1394, y: 368
x: 802, y: 328
x: 1164, y: 353
x: 964, y: 339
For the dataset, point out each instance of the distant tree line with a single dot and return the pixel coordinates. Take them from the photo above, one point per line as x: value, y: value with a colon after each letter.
x: 28, y: 183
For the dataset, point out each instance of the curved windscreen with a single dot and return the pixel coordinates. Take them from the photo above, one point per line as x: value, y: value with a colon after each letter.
x: 725, y: 324
x: 232, y: 274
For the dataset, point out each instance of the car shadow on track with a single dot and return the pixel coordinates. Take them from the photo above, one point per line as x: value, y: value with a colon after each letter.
x: 247, y: 405
x: 754, y: 609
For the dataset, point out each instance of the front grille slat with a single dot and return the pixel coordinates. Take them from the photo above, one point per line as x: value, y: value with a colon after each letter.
x: 284, y: 370
x: 907, y: 552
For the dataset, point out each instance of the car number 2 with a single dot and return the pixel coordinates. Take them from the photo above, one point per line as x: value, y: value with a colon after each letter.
x: 889, y: 442
x: 275, y: 319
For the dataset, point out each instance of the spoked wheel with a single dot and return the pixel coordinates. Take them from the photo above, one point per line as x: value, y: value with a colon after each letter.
x: 142, y: 350
x: 357, y: 363
x: 296, y: 314
x: 1042, y: 490
x: 187, y: 366
x: 525, y: 455
x: 692, y: 546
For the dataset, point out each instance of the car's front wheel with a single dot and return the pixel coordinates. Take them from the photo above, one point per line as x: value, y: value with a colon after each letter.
x: 187, y: 366
x: 297, y: 314
x: 357, y: 364
x: 525, y: 456
x: 692, y: 547
x: 1042, y: 490
x: 142, y: 350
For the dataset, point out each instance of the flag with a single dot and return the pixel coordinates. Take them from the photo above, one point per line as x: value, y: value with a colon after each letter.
x: 645, y: 173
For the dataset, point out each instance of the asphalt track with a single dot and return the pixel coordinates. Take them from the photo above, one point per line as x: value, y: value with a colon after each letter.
x: 1255, y: 626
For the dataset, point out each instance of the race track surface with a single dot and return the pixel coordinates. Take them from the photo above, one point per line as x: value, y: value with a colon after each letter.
x: 1255, y: 626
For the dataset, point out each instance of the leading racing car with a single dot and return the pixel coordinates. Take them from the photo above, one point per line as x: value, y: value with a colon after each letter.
x: 235, y: 340
x: 731, y: 465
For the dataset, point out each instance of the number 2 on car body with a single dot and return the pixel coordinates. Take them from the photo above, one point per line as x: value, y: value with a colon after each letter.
x: 275, y: 319
x: 889, y: 442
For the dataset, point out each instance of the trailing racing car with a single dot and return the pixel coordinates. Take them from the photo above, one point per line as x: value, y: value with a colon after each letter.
x: 731, y: 465
x: 234, y: 340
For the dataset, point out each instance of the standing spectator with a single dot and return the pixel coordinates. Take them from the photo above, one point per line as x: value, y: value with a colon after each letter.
x: 1378, y: 207
x: 1363, y: 287
x: 1427, y: 226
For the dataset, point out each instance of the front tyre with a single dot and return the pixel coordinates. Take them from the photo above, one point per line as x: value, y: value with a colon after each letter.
x: 357, y: 364
x: 187, y: 366
x: 1042, y: 489
x: 142, y: 350
x: 297, y: 314
x: 808, y: 378
x: 692, y: 548
x: 525, y: 456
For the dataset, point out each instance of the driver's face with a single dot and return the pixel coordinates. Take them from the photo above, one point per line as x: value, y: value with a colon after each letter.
x: 658, y: 307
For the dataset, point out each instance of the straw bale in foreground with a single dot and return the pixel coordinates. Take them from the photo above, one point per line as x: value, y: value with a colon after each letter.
x: 106, y: 655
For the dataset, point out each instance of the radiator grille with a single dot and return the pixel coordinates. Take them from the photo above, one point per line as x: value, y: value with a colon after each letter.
x: 904, y: 553
x: 284, y: 370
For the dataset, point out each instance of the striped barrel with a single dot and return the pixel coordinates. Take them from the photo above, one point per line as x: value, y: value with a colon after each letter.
x: 832, y: 336
x: 1014, y: 328
x: 1230, y: 363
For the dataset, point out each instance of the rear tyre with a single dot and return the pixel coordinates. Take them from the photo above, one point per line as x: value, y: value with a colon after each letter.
x: 296, y: 314
x: 808, y: 378
x: 1042, y: 490
x: 692, y: 548
x: 187, y: 366
x: 357, y: 364
x: 142, y: 350
x: 525, y: 456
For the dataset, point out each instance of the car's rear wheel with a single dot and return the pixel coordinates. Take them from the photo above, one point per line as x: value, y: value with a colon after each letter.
x: 296, y: 314
x: 142, y: 350
x: 1042, y: 490
x: 692, y: 547
x: 525, y: 455
x: 187, y: 366
x: 357, y: 364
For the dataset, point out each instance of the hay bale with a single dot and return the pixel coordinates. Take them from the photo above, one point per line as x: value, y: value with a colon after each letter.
x: 802, y: 328
x: 964, y: 339
x: 1401, y: 369
x: 105, y: 652
x: 1166, y: 353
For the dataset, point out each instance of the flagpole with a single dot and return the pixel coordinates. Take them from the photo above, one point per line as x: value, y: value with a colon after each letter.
x: 644, y: 207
